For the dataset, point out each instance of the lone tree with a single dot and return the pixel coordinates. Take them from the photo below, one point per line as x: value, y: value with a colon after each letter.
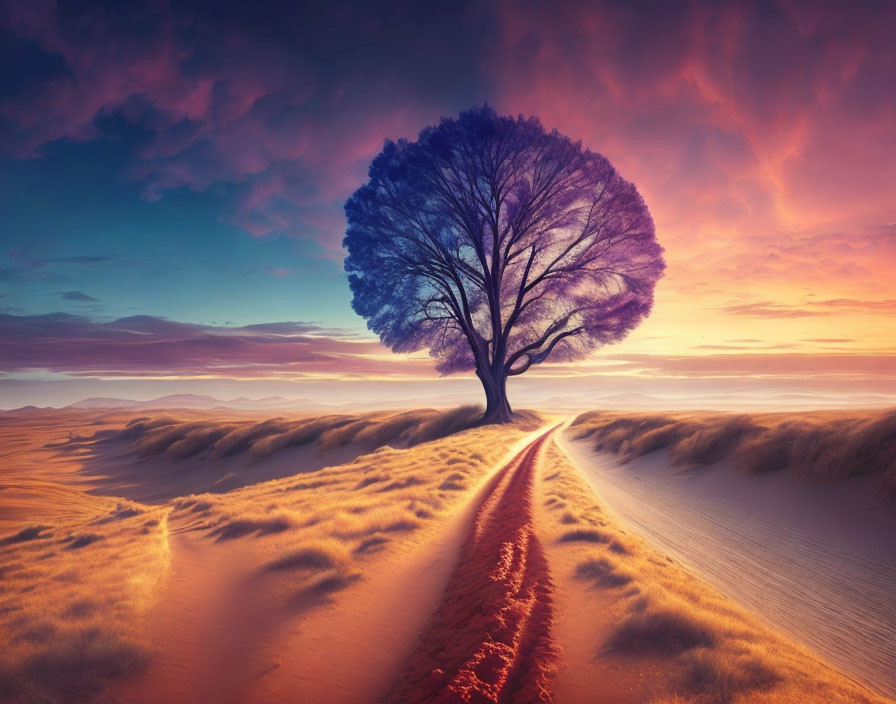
x: 498, y: 245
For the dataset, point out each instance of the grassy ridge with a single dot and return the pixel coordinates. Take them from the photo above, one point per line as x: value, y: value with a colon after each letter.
x: 821, y: 446
x: 216, y: 439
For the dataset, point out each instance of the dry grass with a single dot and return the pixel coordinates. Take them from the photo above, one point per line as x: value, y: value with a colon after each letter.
x: 322, y: 533
x: 814, y: 446
x: 652, y: 613
x: 727, y: 676
x: 659, y: 624
x: 364, y: 503
x: 68, y: 599
x: 603, y: 572
x: 213, y: 438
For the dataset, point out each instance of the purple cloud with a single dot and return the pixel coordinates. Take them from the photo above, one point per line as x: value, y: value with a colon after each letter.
x: 149, y: 346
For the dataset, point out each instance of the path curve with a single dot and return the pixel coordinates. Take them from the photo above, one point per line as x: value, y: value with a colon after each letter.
x: 490, y: 640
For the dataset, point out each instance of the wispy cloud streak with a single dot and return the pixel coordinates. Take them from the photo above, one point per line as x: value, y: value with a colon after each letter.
x: 148, y: 346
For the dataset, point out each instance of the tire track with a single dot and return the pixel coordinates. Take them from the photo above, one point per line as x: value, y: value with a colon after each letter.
x: 490, y: 640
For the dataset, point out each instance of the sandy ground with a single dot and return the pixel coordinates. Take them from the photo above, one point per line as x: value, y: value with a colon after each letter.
x: 814, y: 561
x: 475, y: 567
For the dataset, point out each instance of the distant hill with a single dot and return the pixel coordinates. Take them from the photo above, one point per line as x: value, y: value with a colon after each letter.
x: 205, y: 403
x: 101, y: 402
x: 570, y: 402
x: 196, y: 402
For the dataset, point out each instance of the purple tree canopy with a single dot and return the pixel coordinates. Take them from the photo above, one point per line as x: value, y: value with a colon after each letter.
x: 498, y: 245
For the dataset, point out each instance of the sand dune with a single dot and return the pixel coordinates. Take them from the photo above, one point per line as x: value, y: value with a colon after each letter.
x: 311, y: 546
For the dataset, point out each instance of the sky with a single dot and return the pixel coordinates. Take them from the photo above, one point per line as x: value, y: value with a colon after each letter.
x: 172, y: 177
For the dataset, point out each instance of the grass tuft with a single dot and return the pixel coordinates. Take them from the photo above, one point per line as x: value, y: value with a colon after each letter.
x: 309, y: 558
x: 241, y: 527
x: 727, y: 675
x: 585, y: 536
x: 26, y: 534
x: 659, y: 626
x: 82, y: 541
x: 603, y: 573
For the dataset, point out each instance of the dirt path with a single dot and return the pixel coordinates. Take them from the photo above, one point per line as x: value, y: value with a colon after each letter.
x: 490, y: 640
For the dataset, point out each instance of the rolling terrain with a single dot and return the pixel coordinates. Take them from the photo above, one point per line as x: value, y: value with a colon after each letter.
x: 231, y: 556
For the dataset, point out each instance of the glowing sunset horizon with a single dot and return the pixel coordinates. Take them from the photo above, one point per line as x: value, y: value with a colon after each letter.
x: 166, y: 213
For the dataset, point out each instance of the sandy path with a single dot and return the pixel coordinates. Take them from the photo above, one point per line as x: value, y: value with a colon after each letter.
x: 819, y: 563
x: 490, y: 639
x: 221, y: 633
x: 208, y: 627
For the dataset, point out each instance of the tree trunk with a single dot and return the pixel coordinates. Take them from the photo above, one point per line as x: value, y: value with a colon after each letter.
x: 497, y: 408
